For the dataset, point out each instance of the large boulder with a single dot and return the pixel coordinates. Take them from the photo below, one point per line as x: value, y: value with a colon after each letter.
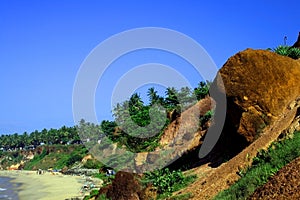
x: 125, y: 186
x: 259, y: 85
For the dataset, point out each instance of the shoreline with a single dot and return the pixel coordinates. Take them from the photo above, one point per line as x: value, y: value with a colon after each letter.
x: 47, y: 186
x: 8, y: 190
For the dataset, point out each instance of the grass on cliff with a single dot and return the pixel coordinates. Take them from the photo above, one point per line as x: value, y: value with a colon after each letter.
x: 265, y: 165
x: 58, y: 158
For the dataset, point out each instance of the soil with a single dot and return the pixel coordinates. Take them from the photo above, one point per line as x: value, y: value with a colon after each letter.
x: 284, y: 185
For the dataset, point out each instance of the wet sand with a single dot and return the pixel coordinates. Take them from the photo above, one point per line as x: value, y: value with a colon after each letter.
x: 47, y: 186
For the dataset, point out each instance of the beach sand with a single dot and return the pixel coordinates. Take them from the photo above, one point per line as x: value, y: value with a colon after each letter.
x: 46, y: 186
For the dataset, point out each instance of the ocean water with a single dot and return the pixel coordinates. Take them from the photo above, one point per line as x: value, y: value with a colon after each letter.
x: 8, y: 190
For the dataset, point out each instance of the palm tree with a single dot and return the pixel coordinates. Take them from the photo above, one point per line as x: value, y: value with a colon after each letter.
x: 202, y: 90
x: 153, y: 97
x: 135, y: 104
x: 171, y: 99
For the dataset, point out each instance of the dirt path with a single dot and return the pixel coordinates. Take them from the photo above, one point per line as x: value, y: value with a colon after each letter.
x: 213, y: 180
x: 284, y: 185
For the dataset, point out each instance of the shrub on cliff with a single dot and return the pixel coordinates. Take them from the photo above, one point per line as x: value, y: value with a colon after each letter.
x: 167, y: 181
x: 294, y: 53
x: 291, y: 52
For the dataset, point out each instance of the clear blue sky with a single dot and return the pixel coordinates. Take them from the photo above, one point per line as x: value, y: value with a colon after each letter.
x: 43, y: 43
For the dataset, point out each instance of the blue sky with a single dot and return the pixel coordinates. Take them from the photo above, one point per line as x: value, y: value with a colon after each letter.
x: 43, y: 44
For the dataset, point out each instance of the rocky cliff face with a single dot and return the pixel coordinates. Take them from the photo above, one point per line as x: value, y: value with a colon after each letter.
x: 182, y: 136
x: 262, y: 90
x: 258, y: 85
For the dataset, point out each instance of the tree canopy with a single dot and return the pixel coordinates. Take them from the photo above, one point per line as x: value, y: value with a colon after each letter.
x: 137, y: 126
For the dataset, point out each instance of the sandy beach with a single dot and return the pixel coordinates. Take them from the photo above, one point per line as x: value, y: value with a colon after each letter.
x: 46, y: 186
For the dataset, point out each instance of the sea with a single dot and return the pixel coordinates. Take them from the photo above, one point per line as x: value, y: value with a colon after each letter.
x: 8, y: 190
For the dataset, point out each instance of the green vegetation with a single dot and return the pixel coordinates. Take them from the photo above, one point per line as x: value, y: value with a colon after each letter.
x: 134, y: 122
x: 182, y: 197
x: 36, y: 160
x: 202, y: 90
x: 36, y: 138
x: 102, y: 197
x: 131, y: 128
x: 291, y: 52
x: 106, y: 179
x: 57, y: 157
x: 266, y: 164
x: 206, y: 117
x: 10, y: 158
x: 167, y: 181
x: 133, y: 117
x: 94, y: 193
x: 93, y: 164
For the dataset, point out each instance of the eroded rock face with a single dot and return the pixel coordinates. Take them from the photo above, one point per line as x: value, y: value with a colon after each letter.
x: 259, y: 85
x: 183, y: 135
x: 184, y: 127
x: 86, y: 158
